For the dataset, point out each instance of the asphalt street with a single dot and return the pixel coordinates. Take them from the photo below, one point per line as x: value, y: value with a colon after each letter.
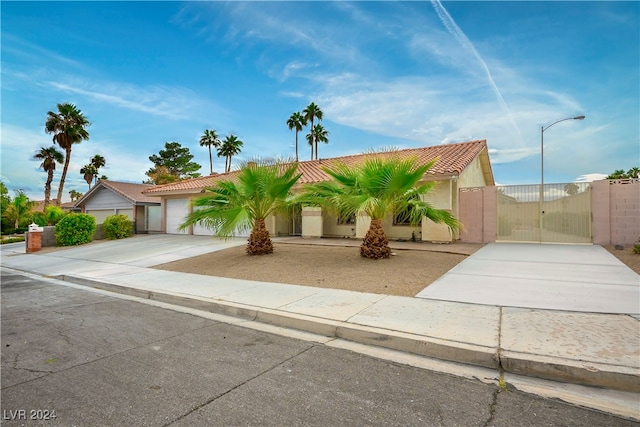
x: 80, y: 357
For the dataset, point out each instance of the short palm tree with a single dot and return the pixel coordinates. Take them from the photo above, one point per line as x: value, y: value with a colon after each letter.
x: 256, y: 191
x: 49, y: 156
x: 89, y: 172
x: 318, y: 134
x: 297, y: 122
x: 378, y: 187
x: 210, y: 139
x: 98, y: 162
x: 311, y: 112
x: 230, y: 147
x: 68, y: 126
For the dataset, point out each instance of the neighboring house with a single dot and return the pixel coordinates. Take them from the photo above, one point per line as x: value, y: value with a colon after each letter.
x: 67, y: 206
x: 458, y: 165
x: 108, y: 198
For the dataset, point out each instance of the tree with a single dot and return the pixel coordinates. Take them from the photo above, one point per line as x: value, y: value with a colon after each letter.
x: 210, y: 139
x: 5, y: 201
x: 259, y: 189
x: 310, y: 113
x: 49, y: 156
x: 378, y: 187
x: 571, y: 189
x: 634, y: 172
x: 98, y: 162
x: 68, y: 127
x: 297, y: 122
x: 172, y: 164
x: 230, y: 147
x: 317, y: 134
x: 75, y: 195
x: 19, y: 209
x: 89, y: 172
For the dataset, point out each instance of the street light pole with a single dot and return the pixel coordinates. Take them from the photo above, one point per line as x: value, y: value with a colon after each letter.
x: 542, y: 129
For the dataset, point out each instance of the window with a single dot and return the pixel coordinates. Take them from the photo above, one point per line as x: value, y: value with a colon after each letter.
x: 401, y: 218
x: 348, y: 220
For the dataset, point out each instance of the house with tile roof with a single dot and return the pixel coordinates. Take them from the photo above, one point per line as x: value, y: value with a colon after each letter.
x: 457, y: 166
x: 108, y: 198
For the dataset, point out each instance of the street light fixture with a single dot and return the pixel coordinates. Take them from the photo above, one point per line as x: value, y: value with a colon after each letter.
x: 542, y: 129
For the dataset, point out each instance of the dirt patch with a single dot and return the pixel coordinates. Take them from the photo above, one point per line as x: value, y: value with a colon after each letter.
x: 405, y: 274
x: 627, y: 256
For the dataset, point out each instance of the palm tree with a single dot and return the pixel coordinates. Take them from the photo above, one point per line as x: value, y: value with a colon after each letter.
x: 98, y: 162
x: 49, y: 156
x: 318, y: 134
x: 89, y: 172
x: 75, y: 195
x: 297, y: 122
x: 634, y: 172
x: 230, y: 147
x: 378, y: 187
x: 210, y: 139
x: 68, y: 127
x: 19, y: 209
x: 259, y: 189
x: 312, y: 111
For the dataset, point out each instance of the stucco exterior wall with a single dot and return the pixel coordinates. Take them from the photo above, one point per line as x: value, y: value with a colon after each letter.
x: 331, y: 228
x: 616, y: 211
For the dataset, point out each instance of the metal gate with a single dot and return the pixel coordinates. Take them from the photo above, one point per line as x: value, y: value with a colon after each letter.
x: 558, y: 213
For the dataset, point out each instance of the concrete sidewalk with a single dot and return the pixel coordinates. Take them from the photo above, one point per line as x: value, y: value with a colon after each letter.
x: 588, y: 348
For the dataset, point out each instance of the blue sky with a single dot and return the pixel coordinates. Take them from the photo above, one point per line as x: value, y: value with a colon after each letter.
x: 385, y: 74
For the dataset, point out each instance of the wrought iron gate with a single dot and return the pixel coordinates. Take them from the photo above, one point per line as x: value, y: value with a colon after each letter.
x: 558, y: 213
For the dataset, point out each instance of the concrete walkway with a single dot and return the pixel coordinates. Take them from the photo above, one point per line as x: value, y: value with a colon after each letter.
x: 540, y: 337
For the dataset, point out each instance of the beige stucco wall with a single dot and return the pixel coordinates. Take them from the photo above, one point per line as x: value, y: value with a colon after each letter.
x: 312, y: 222
x: 332, y: 229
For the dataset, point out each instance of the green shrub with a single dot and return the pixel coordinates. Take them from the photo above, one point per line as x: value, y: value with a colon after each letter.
x: 53, y: 214
x: 38, y: 218
x: 75, y: 229
x: 117, y: 227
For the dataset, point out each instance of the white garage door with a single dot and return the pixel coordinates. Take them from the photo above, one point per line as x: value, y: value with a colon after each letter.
x: 177, y: 210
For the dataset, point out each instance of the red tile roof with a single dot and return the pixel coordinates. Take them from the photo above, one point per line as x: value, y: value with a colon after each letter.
x: 452, y: 159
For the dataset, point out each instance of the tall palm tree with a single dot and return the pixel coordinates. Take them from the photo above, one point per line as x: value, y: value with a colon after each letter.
x: 49, y: 156
x: 297, y: 122
x: 98, y: 162
x: 230, y: 147
x: 68, y: 127
x: 378, y: 187
x: 318, y: 134
x: 75, y: 195
x: 259, y: 189
x: 89, y: 172
x: 311, y: 112
x: 210, y: 139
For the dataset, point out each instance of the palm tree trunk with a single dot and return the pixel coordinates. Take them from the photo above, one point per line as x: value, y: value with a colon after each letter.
x: 64, y: 175
x: 375, y: 244
x: 47, y: 188
x: 296, y: 145
x: 259, y: 240
x: 210, y: 161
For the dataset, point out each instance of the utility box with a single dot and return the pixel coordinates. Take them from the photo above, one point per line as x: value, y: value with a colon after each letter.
x: 34, y: 238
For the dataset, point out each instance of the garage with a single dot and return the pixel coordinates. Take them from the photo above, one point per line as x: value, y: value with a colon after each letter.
x: 177, y: 211
x: 100, y: 214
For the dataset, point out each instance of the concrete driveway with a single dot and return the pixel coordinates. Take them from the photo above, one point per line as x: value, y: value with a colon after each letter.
x: 583, y: 278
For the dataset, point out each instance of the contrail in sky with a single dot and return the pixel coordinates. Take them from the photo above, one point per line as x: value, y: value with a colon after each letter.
x: 456, y: 32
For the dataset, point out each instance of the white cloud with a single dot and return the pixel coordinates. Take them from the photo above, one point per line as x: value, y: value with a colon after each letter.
x: 19, y: 171
x: 590, y: 177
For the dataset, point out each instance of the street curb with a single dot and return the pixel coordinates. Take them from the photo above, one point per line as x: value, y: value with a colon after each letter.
x: 550, y: 368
